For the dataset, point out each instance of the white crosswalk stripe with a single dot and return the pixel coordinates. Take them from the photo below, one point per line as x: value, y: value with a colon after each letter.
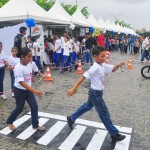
x: 17, y: 123
x: 54, y: 130
x: 30, y: 131
x: 70, y: 140
x: 97, y: 140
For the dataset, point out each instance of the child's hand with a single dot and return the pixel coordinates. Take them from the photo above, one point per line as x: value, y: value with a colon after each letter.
x: 122, y: 64
x: 37, y: 92
x: 71, y: 92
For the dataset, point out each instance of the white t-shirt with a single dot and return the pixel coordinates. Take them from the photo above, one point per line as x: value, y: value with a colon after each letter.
x: 62, y: 42
x: 13, y: 61
x: 71, y: 45
x: 145, y: 44
x: 32, y: 46
x: 66, y: 49
x: 34, y: 66
x: 23, y: 73
x: 57, y: 45
x: 77, y: 46
x: 96, y: 75
x: 3, y: 58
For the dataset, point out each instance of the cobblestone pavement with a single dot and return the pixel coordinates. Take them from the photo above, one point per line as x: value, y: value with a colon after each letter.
x: 126, y: 94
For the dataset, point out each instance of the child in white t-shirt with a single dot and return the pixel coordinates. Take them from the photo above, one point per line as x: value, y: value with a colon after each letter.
x: 96, y: 75
x: 13, y: 60
x: 65, y: 61
x: 3, y: 62
x: 24, y: 92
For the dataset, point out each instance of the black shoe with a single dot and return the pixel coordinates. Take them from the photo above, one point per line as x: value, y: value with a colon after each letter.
x: 70, y: 70
x: 118, y: 137
x: 70, y: 122
x: 66, y: 69
x: 75, y: 67
x: 62, y: 72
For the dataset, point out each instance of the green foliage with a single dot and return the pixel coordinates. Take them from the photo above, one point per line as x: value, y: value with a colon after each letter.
x: 85, y: 12
x: 144, y: 33
x: 122, y: 23
x: 3, y: 2
x: 69, y: 8
x: 44, y: 4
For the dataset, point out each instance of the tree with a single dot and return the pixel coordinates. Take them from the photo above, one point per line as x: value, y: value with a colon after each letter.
x: 3, y: 2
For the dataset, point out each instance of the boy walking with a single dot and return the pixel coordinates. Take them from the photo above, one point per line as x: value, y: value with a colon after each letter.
x: 96, y: 75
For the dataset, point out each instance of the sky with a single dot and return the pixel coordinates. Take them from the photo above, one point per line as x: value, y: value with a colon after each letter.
x: 134, y: 12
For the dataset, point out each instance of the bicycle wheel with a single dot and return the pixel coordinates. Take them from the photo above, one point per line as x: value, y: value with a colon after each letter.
x: 145, y: 72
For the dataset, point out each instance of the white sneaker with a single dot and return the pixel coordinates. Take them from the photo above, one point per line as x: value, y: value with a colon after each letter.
x: 12, y: 94
x: 3, y: 97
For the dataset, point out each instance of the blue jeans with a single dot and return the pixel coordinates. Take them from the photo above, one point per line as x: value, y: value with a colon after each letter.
x: 145, y: 54
x: 131, y: 48
x: 2, y: 74
x: 86, y: 57
x: 57, y: 57
x: 21, y: 96
x: 12, y: 79
x: 90, y: 55
x: 121, y: 48
x: 65, y: 62
x: 95, y: 99
x: 74, y: 56
x: 37, y: 62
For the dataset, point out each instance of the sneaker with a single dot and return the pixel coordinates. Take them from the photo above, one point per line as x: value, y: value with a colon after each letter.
x: 62, y: 72
x: 70, y: 122
x: 3, y: 97
x: 40, y: 128
x: 12, y: 94
x: 12, y: 127
x: 118, y: 137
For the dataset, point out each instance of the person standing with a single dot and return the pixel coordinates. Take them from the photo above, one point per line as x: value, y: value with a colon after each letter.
x: 101, y: 39
x: 20, y: 40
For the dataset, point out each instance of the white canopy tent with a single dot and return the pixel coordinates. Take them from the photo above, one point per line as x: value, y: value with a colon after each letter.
x: 57, y: 12
x: 79, y: 19
x: 16, y: 10
x: 108, y: 25
x: 101, y: 23
x: 93, y: 22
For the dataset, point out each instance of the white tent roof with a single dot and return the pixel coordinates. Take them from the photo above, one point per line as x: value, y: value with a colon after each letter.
x: 23, y: 9
x: 101, y: 23
x: 79, y: 19
x: 108, y: 25
x: 93, y: 21
x: 57, y: 12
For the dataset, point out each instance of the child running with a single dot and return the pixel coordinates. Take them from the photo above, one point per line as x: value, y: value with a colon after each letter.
x: 13, y: 60
x: 24, y: 92
x: 96, y: 75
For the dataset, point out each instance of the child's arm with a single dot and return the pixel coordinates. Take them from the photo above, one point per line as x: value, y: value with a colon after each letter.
x: 118, y: 66
x: 26, y: 86
x: 35, y: 53
x: 41, y: 75
x: 73, y: 90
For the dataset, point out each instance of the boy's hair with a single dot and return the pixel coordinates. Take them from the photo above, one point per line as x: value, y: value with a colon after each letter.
x: 24, y: 52
x: 97, y: 50
x: 22, y: 29
x: 14, y: 48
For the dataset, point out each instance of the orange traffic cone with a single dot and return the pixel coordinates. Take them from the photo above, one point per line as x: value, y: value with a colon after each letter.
x: 48, y: 76
x: 129, y: 64
x: 80, y: 71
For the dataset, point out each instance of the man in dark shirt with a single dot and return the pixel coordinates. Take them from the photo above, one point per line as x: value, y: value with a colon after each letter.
x: 20, y: 40
x: 89, y: 44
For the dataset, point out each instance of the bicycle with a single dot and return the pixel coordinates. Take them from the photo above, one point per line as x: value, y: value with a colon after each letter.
x: 145, y: 72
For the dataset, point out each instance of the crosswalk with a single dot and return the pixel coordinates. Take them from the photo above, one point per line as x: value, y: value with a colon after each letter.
x: 87, y: 135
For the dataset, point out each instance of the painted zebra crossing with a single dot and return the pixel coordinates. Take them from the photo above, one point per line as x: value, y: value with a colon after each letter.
x: 86, y: 135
